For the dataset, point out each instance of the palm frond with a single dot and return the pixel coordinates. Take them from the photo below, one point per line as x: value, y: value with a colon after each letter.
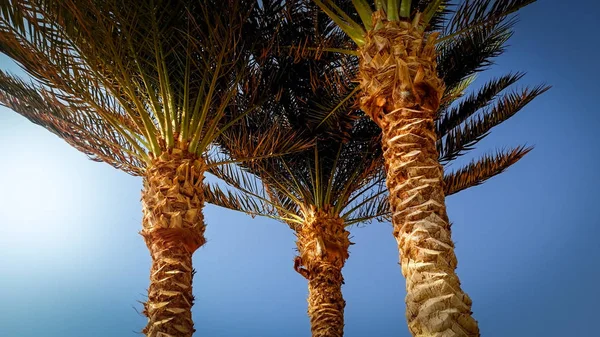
x: 94, y: 137
x: 441, y: 16
x: 368, y: 201
x: 244, y: 145
x: 451, y: 94
x: 476, y: 172
x: 237, y: 201
x: 461, y: 139
x: 240, y: 179
x: 472, y: 52
x: 346, y: 23
x: 375, y: 209
x: 456, y: 115
x: 473, y: 14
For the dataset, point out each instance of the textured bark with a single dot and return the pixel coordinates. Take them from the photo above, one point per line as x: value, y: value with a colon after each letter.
x: 323, y: 246
x: 173, y: 228
x: 402, y: 93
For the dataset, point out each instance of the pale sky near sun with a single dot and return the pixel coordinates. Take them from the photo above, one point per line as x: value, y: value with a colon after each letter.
x: 73, y: 265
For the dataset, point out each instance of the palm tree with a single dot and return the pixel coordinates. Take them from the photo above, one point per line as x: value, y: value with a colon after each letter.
x: 410, y: 53
x: 414, y: 58
x: 322, y: 191
x: 319, y: 193
x: 144, y: 87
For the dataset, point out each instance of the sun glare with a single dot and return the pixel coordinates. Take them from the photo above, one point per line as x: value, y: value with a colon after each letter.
x: 39, y: 187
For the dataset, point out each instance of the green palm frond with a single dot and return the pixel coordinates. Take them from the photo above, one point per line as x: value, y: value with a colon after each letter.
x: 457, y: 130
x: 440, y: 17
x: 241, y: 180
x: 50, y: 44
x: 451, y: 94
x: 323, y: 98
x: 298, y: 181
x: 245, y: 192
x: 364, y: 10
x: 462, y: 138
x: 325, y: 112
x: 476, y: 172
x: 346, y: 23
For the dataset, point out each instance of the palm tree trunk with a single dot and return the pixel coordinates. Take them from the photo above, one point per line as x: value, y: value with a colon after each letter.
x: 323, y: 247
x: 173, y: 228
x: 402, y: 93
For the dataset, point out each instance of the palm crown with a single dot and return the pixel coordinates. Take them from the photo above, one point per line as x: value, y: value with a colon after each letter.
x: 314, y: 97
x: 141, y: 80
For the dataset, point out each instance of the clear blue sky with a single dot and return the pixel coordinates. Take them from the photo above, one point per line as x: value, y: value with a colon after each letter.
x: 72, y: 263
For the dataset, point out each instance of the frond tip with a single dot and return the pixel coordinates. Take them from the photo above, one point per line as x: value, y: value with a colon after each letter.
x: 483, y: 169
x: 463, y: 138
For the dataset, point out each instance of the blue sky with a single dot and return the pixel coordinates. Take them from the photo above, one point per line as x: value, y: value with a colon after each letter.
x: 73, y: 264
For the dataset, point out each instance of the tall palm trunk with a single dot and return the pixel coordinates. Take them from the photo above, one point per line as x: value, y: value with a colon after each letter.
x: 323, y: 244
x: 173, y: 228
x: 402, y: 93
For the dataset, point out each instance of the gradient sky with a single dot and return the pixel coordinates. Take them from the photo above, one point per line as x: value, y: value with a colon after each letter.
x: 73, y: 265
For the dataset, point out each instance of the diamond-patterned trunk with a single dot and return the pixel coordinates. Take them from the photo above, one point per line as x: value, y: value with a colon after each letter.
x: 173, y: 228
x: 402, y: 93
x: 323, y: 244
